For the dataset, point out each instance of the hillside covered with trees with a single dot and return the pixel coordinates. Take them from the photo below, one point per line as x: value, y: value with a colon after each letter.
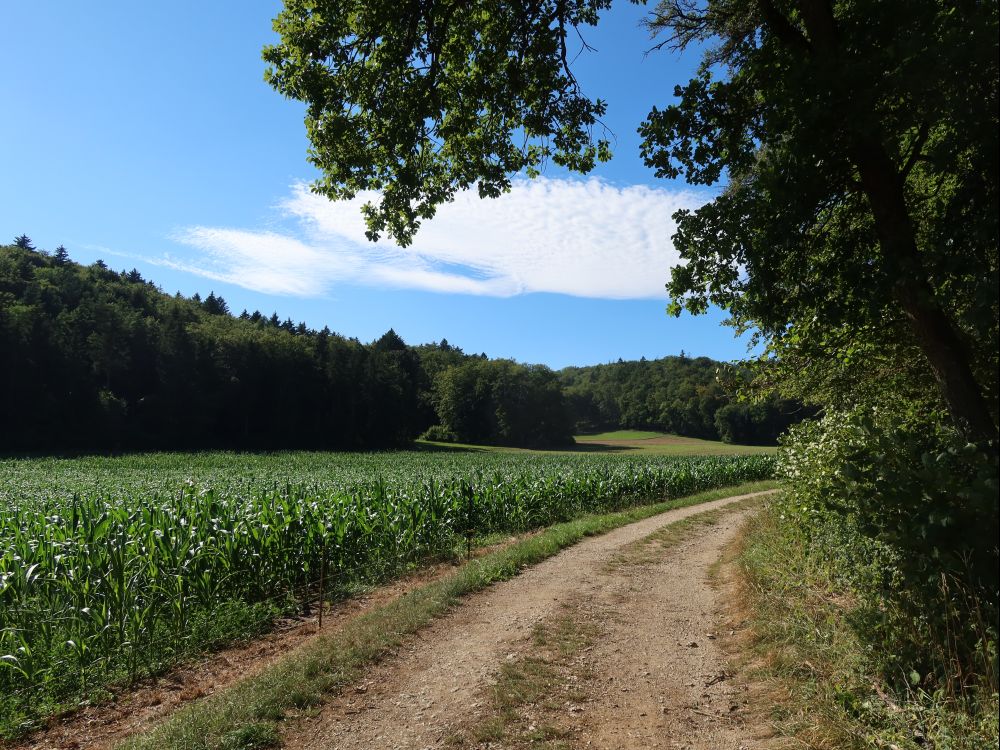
x: 681, y: 395
x: 96, y: 359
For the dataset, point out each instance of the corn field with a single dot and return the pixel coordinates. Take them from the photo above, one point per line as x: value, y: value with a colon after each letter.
x: 112, y: 568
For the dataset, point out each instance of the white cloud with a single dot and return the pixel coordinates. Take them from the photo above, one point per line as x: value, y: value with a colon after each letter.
x: 585, y: 238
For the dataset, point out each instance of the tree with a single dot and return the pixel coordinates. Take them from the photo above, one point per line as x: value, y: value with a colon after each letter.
x: 24, y: 242
x: 390, y: 341
x: 214, y: 305
x: 61, y: 256
x: 421, y: 99
x: 502, y: 402
x: 859, y: 141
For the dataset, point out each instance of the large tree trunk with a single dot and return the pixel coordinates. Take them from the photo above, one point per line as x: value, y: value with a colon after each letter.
x: 941, y: 343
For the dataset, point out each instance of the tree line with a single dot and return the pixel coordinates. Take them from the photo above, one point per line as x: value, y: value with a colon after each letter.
x: 681, y: 395
x: 97, y: 359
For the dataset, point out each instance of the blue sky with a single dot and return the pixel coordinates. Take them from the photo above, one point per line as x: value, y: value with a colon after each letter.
x: 143, y: 134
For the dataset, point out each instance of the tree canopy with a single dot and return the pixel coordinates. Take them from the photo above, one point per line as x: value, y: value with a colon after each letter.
x: 680, y: 395
x: 857, y: 141
x: 860, y: 142
x: 421, y: 99
x: 95, y: 359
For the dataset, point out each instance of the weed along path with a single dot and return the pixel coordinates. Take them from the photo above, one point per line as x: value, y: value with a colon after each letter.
x: 612, y: 643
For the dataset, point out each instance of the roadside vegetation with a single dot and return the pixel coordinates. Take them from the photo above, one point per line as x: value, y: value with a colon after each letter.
x: 112, y: 569
x: 829, y: 659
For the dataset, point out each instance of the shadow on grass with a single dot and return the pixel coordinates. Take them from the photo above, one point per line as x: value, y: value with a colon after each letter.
x: 434, y: 447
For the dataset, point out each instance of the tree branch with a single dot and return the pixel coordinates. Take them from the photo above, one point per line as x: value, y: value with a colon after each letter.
x: 915, y: 150
x: 782, y: 28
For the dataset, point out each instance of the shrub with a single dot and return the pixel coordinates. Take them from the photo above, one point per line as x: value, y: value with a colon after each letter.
x: 439, y: 434
x: 906, y: 512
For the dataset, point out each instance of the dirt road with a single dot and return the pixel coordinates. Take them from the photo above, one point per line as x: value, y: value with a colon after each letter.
x: 655, y: 673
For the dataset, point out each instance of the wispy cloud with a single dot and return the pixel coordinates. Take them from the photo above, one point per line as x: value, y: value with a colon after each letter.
x: 585, y: 238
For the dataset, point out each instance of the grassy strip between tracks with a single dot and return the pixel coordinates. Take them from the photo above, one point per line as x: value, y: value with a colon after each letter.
x: 245, y: 716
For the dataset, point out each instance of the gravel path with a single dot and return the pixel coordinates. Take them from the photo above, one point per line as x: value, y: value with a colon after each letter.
x: 664, y: 680
x: 439, y: 679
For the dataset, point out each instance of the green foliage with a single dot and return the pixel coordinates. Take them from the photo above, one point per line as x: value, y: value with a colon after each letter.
x: 501, y: 402
x: 439, y: 434
x: 748, y: 423
x: 103, y: 360
x: 822, y: 652
x: 680, y: 395
x: 95, y: 359
x: 112, y: 568
x: 418, y: 100
x: 908, y: 517
x: 860, y: 144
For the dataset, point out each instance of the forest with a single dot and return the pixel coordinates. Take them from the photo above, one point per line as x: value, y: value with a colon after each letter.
x: 681, y: 395
x: 97, y: 359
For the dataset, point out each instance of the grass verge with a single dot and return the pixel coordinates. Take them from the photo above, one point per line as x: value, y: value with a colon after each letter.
x: 813, y: 663
x: 332, y: 660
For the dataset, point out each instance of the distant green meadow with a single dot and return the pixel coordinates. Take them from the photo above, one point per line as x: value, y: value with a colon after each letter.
x: 113, y: 568
x: 647, y: 442
x: 635, y: 442
x: 620, y: 435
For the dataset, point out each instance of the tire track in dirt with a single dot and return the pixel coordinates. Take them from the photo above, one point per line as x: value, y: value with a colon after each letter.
x: 663, y: 671
x: 438, y: 679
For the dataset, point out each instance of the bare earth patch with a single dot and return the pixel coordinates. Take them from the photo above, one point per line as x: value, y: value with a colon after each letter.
x: 657, y: 688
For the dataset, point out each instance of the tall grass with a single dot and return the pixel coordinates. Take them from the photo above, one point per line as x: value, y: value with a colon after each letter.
x: 822, y: 657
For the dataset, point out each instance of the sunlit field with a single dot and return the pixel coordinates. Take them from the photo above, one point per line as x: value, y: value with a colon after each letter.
x: 111, y: 568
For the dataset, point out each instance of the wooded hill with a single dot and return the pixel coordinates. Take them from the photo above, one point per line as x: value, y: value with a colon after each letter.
x: 682, y: 395
x: 96, y: 359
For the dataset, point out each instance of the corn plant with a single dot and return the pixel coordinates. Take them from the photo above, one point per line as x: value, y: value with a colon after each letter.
x: 112, y: 568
